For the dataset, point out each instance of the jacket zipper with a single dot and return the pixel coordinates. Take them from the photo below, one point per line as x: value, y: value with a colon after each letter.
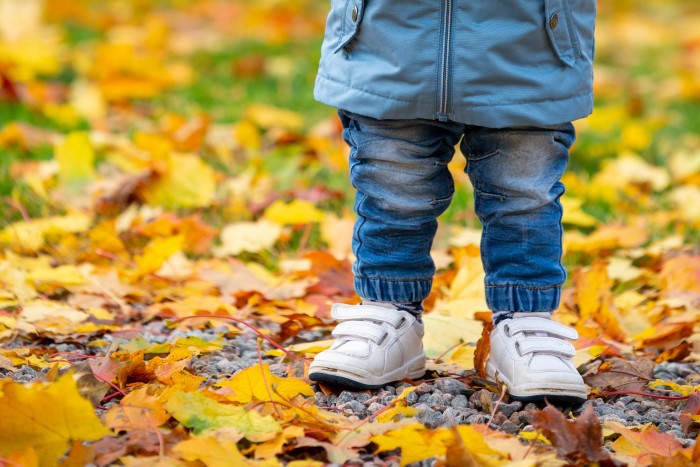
x: 445, y: 61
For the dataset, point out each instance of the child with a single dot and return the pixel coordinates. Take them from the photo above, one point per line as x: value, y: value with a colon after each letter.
x: 504, y: 79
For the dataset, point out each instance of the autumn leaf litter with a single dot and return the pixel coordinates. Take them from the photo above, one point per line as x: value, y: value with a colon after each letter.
x: 166, y: 275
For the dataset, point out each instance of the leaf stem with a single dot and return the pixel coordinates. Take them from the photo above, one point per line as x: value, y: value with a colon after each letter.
x: 250, y: 326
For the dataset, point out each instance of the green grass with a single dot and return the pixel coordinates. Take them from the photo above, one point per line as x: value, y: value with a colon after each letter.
x: 286, y: 80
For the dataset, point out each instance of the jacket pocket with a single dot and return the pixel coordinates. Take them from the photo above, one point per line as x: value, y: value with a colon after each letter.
x: 352, y: 12
x: 561, y: 31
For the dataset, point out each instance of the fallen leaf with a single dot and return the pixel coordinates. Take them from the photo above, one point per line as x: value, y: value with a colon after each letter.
x: 257, y: 383
x: 201, y: 413
x: 618, y: 374
x: 579, y: 441
x: 689, y: 415
x: 46, y: 417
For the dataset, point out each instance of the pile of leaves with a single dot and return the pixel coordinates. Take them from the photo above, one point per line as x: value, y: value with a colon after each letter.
x: 139, y: 210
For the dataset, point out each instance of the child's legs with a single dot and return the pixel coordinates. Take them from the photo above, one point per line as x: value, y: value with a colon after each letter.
x: 399, y: 168
x: 515, y: 173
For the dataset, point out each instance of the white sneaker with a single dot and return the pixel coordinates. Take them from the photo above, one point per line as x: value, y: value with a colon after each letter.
x: 374, y: 346
x: 529, y: 354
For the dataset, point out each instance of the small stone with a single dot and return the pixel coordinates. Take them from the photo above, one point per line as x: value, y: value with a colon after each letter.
x: 424, y: 388
x: 498, y: 419
x: 654, y: 415
x: 386, y: 400
x: 509, y: 409
x: 436, y: 399
x: 449, y: 417
x: 476, y: 419
x: 424, y: 398
x: 362, y: 397
x: 430, y: 418
x: 411, y: 398
x: 612, y: 418
x: 459, y: 401
x: 391, y: 390
x: 401, y: 387
x: 355, y: 407
x: 646, y: 405
x: 475, y: 401
x: 676, y: 433
x: 375, y: 407
x: 664, y: 427
x: 510, y: 427
x: 345, y: 396
x: 451, y: 386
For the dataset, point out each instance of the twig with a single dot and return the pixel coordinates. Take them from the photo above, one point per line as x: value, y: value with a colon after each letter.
x: 447, y: 351
x: 640, y: 393
x: 18, y: 206
x: 495, y: 406
x: 250, y: 326
x: 532, y: 443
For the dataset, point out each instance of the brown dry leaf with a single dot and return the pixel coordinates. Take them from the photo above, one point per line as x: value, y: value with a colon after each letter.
x: 579, y: 441
x: 483, y: 347
x: 617, y: 374
x: 675, y: 354
x: 691, y: 410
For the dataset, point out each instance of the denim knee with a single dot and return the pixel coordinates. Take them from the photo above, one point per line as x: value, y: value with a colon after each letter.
x: 516, y: 177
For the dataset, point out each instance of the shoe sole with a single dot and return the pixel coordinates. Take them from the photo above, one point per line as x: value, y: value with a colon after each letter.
x: 557, y: 396
x: 348, y: 379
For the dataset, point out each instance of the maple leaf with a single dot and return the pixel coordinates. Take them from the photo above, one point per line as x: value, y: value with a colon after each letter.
x: 594, y: 298
x: 690, y: 422
x: 201, y: 413
x: 211, y: 451
x: 259, y: 384
x: 645, y: 444
x: 248, y: 236
x: 579, y: 441
x: 416, y: 442
x: 46, y: 418
x: 618, y: 374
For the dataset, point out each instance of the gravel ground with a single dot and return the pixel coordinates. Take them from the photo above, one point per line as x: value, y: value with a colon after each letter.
x: 443, y: 402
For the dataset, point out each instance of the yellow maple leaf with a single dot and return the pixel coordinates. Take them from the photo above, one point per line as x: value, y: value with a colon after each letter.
x: 211, y: 451
x: 416, y: 442
x: 75, y: 157
x: 184, y: 180
x: 157, y: 252
x: 267, y: 116
x: 297, y: 211
x: 248, y: 236
x: 46, y: 417
x: 574, y: 214
x: 682, y: 389
x: 257, y: 382
x: 30, y: 235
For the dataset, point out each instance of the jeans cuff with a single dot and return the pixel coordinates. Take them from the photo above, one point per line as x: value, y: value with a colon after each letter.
x: 517, y: 298
x: 391, y: 290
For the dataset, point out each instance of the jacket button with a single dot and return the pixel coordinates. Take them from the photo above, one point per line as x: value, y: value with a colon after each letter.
x: 553, y: 21
x: 354, y: 13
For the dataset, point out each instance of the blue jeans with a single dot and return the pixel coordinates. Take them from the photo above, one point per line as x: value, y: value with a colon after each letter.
x: 399, y: 169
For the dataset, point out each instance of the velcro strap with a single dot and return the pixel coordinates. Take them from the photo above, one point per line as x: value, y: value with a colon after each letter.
x: 545, y: 345
x: 342, y: 312
x: 361, y: 329
x: 536, y: 324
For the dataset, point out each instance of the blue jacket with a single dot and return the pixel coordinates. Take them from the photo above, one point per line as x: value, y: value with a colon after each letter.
x: 493, y: 63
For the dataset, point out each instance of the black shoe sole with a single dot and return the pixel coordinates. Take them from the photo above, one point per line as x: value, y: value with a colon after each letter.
x: 343, y: 381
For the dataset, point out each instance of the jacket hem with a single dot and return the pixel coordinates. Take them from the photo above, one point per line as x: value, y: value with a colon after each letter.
x: 498, y: 115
